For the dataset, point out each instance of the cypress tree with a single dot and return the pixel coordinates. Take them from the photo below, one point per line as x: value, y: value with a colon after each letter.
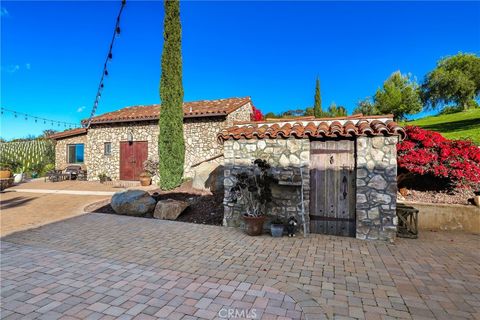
x: 171, y: 144
x: 317, y: 107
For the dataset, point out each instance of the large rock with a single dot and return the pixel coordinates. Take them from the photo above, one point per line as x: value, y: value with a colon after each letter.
x: 169, y: 209
x: 133, y: 203
x: 208, y: 177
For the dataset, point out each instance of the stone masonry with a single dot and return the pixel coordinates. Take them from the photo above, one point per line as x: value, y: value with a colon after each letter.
x: 61, y: 158
x: 376, y: 188
x: 287, y: 157
x: 95, y: 159
x: 200, y: 133
x: 375, y: 181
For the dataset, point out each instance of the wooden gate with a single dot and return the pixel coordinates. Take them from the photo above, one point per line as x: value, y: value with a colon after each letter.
x: 132, y: 156
x: 332, y: 187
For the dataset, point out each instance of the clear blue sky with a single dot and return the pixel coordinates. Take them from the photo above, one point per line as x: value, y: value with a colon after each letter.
x: 52, y: 52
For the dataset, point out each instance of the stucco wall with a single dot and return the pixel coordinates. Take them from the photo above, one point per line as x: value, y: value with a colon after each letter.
x: 287, y: 157
x: 61, y: 161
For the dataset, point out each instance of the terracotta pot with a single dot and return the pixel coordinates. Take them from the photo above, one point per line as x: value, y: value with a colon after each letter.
x: 254, y: 225
x: 5, y: 174
x: 145, y: 181
x: 476, y: 200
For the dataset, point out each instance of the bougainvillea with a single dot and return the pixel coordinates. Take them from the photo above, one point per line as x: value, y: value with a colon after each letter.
x: 257, y: 115
x: 426, y: 152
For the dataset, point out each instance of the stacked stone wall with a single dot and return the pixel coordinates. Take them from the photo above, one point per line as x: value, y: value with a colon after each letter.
x: 200, y: 135
x: 99, y: 163
x: 289, y: 158
x: 376, y: 188
x: 61, y: 157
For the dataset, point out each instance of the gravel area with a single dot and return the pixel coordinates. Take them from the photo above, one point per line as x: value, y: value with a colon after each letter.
x: 451, y: 197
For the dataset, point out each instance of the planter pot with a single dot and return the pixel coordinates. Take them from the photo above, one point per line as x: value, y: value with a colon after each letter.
x: 18, y: 177
x: 145, y: 181
x: 277, y: 230
x: 5, y: 174
x: 476, y: 200
x: 254, y: 225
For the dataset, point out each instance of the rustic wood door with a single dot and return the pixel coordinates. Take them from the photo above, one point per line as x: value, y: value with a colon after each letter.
x: 132, y: 156
x: 332, y: 189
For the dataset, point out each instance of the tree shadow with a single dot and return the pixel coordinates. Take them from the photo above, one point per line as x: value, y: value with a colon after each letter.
x: 454, y: 125
x: 14, y: 202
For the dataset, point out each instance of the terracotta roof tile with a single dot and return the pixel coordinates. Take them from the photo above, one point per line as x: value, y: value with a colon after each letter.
x: 204, y: 108
x: 68, y: 133
x: 317, y: 128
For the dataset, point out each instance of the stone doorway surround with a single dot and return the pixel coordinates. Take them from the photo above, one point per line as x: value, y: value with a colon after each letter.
x: 286, y: 145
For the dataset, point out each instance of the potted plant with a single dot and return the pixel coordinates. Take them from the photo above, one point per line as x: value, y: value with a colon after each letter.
x: 150, y: 168
x: 277, y: 227
x: 476, y: 199
x: 5, y: 171
x: 253, y: 189
x: 103, y: 177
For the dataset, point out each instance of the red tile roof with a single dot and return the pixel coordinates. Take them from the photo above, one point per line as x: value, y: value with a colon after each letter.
x: 204, y: 108
x: 68, y: 133
x: 318, y: 128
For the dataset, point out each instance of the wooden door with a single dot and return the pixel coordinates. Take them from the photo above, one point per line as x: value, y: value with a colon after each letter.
x: 332, y: 190
x: 132, y: 156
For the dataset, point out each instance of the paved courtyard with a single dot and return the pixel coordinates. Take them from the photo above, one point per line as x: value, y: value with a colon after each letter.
x: 100, y: 266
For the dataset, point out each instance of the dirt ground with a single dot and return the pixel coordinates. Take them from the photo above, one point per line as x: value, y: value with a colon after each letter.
x: 22, y: 210
x: 205, y: 208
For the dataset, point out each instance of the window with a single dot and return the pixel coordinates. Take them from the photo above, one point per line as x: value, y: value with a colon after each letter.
x: 107, y: 148
x: 75, y: 153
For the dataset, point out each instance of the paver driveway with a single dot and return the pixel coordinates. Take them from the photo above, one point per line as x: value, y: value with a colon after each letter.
x: 100, y: 265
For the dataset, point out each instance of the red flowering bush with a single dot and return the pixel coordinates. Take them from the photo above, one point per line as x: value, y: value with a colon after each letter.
x: 426, y: 152
x: 257, y: 115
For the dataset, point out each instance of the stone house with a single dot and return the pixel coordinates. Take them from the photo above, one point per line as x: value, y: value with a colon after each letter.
x: 335, y: 175
x: 117, y: 143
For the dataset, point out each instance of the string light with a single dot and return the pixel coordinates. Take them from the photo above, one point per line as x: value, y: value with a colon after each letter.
x: 29, y: 116
x: 109, y: 57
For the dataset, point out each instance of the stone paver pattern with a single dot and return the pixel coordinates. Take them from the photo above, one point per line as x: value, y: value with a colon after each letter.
x: 435, y: 276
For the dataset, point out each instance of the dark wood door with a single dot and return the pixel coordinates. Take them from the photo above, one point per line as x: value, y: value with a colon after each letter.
x: 132, y: 156
x: 332, y: 179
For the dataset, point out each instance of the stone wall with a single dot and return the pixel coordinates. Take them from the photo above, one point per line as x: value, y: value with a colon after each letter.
x: 200, y: 142
x: 61, y: 160
x: 287, y: 157
x: 201, y: 136
x: 376, y: 188
x: 97, y: 162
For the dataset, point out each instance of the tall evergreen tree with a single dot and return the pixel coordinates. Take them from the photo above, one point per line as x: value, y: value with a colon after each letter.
x: 317, y: 107
x: 171, y: 144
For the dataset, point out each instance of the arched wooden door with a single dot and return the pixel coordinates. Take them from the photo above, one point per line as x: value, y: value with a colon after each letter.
x: 332, y: 187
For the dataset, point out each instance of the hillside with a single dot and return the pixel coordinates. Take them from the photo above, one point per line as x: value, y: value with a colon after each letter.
x: 460, y: 125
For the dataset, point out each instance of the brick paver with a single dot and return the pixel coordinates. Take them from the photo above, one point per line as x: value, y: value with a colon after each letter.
x: 100, y: 265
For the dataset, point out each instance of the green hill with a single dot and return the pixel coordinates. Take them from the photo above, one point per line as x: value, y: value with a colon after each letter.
x: 460, y: 125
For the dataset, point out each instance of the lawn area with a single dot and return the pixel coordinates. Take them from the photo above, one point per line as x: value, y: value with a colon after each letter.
x: 460, y: 125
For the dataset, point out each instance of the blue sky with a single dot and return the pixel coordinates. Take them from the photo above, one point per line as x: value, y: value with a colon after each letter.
x: 52, y: 52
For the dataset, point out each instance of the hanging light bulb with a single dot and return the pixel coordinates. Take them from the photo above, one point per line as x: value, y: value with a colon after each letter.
x: 106, y: 72
x: 117, y: 31
x: 110, y: 55
x: 15, y: 114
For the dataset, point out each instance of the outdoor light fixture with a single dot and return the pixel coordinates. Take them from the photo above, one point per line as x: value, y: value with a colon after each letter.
x: 130, y: 136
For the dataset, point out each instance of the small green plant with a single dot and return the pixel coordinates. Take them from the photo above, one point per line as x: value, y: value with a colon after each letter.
x: 103, y: 177
x: 276, y: 220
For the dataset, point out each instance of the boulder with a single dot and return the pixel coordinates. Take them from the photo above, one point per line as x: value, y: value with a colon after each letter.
x: 169, y: 209
x: 133, y: 203
x: 208, y: 177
